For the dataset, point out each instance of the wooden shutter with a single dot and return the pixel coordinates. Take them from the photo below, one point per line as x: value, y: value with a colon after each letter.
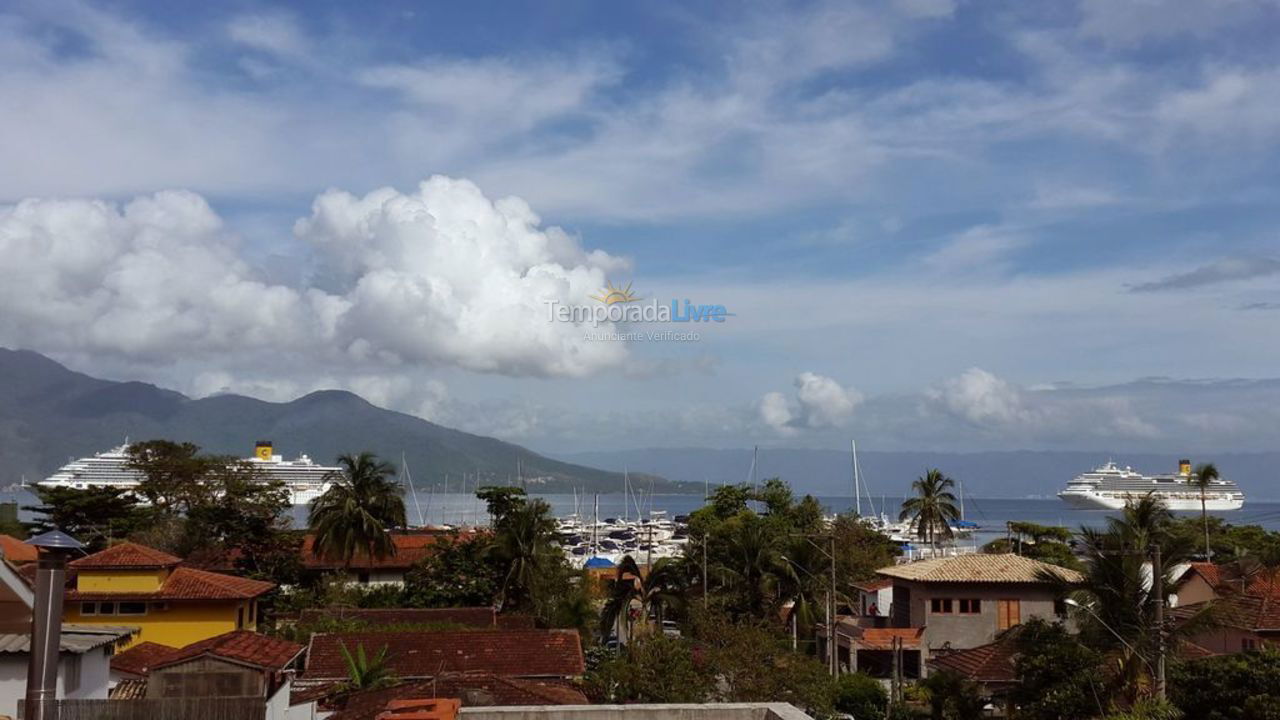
x: 1010, y: 613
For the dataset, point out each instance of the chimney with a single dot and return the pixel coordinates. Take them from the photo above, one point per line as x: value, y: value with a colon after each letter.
x: 46, y: 622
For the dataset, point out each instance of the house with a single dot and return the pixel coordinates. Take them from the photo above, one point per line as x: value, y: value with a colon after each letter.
x: 476, y: 617
x: 410, y: 548
x: 1198, y: 582
x: 967, y: 600
x: 427, y: 654
x: 1245, y: 621
x: 871, y: 650
x: 874, y: 597
x: 84, y: 650
x: 170, y: 604
x: 237, y: 664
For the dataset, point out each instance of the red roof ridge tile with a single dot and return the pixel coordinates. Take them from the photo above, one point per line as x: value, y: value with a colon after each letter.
x: 242, y: 646
x: 125, y: 555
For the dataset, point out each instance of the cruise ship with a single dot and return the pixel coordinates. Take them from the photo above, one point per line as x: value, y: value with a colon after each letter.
x: 302, y: 477
x: 1109, y: 487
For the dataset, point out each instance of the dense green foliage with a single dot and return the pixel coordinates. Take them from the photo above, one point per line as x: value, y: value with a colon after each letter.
x: 1045, y: 543
x: 861, y: 696
x: 952, y: 697
x: 1061, y: 679
x: 1245, y: 686
x: 457, y: 573
x: 652, y: 669
x: 94, y: 516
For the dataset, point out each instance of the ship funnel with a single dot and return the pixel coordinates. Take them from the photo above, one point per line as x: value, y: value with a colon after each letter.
x: 1184, y: 467
x: 262, y: 450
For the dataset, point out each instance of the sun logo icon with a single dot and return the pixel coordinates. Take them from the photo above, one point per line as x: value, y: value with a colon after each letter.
x: 611, y: 295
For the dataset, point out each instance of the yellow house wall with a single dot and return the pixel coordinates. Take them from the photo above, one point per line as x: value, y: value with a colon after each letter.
x: 182, y: 623
x: 120, y: 580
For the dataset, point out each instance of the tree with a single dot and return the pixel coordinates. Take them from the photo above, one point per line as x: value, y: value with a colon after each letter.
x: 1119, y: 595
x: 367, y: 672
x: 95, y: 516
x: 657, y: 588
x: 457, y: 573
x: 653, y: 669
x: 1204, y: 476
x: 354, y: 515
x: 1042, y: 542
x: 751, y: 564
x: 952, y: 697
x: 1058, y: 677
x: 933, y: 507
x: 1241, y: 685
x: 861, y: 696
x: 524, y: 545
x: 173, y: 474
x: 754, y: 663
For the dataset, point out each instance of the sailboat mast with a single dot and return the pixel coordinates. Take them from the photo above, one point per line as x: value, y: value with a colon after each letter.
x: 857, y: 494
x: 413, y: 493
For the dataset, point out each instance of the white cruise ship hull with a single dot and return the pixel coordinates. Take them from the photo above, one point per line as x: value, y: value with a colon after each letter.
x: 1117, y: 501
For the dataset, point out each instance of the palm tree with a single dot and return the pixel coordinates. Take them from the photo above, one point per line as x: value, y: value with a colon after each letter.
x: 933, y: 508
x: 523, y: 543
x: 366, y: 672
x: 356, y: 512
x: 752, y: 565
x: 803, y: 582
x: 1117, y: 594
x: 1203, y: 476
x: 657, y: 589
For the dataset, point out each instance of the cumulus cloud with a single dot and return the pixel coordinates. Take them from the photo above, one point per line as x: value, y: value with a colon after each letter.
x: 820, y: 402
x: 994, y: 405
x: 443, y: 276
x: 1221, y: 271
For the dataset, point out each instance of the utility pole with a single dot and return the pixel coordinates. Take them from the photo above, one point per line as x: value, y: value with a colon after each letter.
x: 835, y: 618
x: 1157, y: 584
x: 704, y: 571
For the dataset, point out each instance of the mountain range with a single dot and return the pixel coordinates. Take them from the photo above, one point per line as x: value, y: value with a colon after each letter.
x: 49, y: 413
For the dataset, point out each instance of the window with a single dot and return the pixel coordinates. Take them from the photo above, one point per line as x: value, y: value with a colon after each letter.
x: 940, y: 606
x: 88, y: 608
x: 1247, y: 644
x: 1009, y: 613
x: 239, y: 617
x: 107, y: 608
x: 131, y: 608
x: 970, y: 606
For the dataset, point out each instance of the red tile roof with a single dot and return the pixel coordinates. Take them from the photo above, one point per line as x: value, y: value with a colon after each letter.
x: 424, y: 654
x: 990, y: 663
x: 882, y: 638
x: 1207, y: 570
x: 241, y: 646
x: 17, y: 551
x: 473, y: 689
x: 139, y: 659
x: 186, y: 583
x: 125, y: 555
x: 410, y: 548
x: 1245, y: 612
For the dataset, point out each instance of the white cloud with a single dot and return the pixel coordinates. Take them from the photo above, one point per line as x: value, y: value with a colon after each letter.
x: 442, y: 277
x: 994, y: 405
x: 820, y: 402
x: 275, y: 34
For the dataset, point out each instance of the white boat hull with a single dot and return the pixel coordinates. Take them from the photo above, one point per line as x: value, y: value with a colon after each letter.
x: 1117, y: 501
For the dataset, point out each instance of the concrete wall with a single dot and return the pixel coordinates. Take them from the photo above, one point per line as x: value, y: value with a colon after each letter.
x: 965, y: 630
x: 1225, y: 640
x: 94, y: 667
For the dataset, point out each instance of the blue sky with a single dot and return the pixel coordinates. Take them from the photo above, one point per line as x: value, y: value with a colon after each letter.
x: 940, y: 223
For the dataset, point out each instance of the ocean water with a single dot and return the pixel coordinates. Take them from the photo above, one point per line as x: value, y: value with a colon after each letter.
x: 991, y: 514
